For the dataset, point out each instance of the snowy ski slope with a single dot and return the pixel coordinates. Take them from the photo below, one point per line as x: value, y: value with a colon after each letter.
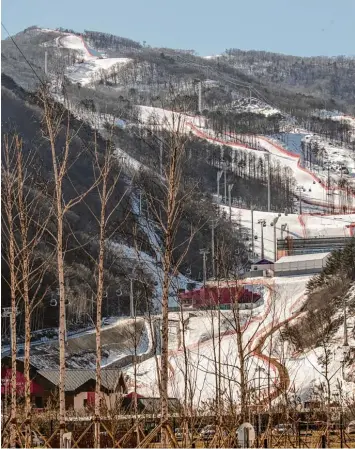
x: 315, y: 190
x: 284, y: 296
x: 93, y: 63
x: 205, y: 348
x: 88, y: 71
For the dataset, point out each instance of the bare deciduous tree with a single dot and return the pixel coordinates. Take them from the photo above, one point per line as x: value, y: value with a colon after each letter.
x: 56, y: 121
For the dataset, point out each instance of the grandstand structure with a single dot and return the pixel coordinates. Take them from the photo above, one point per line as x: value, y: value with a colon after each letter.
x: 291, y: 247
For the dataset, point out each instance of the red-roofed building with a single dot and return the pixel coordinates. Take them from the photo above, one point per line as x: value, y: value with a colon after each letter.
x: 209, y: 297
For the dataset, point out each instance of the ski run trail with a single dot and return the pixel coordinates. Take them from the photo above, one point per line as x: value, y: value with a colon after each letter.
x: 210, y: 340
x: 207, y: 352
x: 316, y: 191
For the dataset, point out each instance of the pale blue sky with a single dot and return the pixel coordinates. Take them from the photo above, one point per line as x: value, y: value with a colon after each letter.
x: 299, y: 27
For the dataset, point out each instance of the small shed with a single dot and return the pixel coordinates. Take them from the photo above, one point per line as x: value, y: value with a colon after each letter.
x: 80, y: 386
x: 263, y: 264
x: 301, y: 264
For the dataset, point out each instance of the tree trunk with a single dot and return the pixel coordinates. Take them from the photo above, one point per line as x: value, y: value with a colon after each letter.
x: 167, y: 263
x: 62, y: 324
x: 165, y: 337
x: 241, y: 355
x: 25, y: 262
x: 100, y: 291
x: 58, y: 172
x: 8, y: 203
x: 13, y: 351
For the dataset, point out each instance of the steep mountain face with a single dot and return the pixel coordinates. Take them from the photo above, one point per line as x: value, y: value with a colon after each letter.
x: 330, y: 79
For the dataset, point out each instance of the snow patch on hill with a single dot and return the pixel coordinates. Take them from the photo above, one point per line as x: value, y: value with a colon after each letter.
x: 253, y: 105
x: 91, y: 70
x: 153, y: 267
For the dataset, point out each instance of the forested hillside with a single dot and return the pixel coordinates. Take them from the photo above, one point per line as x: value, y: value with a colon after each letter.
x: 331, y: 295
x: 329, y: 79
x: 153, y: 70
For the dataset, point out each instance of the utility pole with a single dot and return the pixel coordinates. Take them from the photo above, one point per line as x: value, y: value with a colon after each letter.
x: 131, y: 299
x: 161, y: 158
x: 267, y: 158
x: 262, y: 225
x: 200, y: 96
x: 252, y: 231
x: 273, y: 223
x: 230, y: 187
x: 204, y: 253
x: 225, y: 184
x: 300, y: 189
x: 345, y: 324
x: 213, y: 226
x: 219, y: 175
x: 283, y: 228
x: 46, y: 62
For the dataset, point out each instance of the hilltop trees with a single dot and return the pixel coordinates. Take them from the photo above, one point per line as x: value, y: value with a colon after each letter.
x: 328, y: 78
x: 107, y: 40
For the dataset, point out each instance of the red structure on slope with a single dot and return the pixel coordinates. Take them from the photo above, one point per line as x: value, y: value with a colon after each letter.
x: 217, y: 296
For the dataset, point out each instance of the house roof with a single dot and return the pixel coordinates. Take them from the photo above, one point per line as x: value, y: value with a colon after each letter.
x: 263, y: 262
x: 150, y: 405
x: 75, y: 378
x: 6, y: 362
x: 153, y: 405
x: 132, y: 394
x: 302, y: 257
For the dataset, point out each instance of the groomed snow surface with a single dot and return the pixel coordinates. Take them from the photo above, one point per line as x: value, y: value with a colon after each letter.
x: 92, y: 66
x: 74, y: 42
x: 205, y: 347
x: 89, y: 71
x: 284, y: 296
x: 315, y: 191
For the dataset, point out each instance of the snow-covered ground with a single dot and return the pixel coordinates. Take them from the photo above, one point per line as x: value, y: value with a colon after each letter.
x: 255, y: 106
x: 307, y: 373
x: 93, y: 63
x: 336, y: 116
x: 314, y: 192
x: 74, y: 42
x: 284, y: 296
x: 91, y: 70
x: 211, y: 56
x: 334, y: 156
x: 152, y: 266
x: 117, y: 341
x: 205, y: 347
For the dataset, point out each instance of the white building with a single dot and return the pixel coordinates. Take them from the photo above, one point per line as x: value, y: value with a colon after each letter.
x: 301, y: 264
